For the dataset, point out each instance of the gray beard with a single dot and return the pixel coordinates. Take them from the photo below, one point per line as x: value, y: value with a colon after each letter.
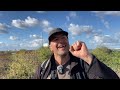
x: 63, y: 54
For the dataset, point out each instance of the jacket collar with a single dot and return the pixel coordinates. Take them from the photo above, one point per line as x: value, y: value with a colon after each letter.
x: 73, y: 60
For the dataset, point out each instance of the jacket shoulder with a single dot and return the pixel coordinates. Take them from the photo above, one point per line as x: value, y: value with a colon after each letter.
x: 40, y: 69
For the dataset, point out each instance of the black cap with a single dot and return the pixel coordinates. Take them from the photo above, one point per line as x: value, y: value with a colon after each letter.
x: 56, y: 31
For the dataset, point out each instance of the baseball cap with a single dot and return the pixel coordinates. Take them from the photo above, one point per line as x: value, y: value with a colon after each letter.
x: 56, y: 31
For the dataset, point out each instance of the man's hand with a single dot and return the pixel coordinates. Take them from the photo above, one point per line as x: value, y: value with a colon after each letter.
x: 80, y: 50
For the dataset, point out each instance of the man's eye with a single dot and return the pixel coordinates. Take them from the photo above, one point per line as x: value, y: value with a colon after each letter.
x: 55, y: 39
x: 63, y: 37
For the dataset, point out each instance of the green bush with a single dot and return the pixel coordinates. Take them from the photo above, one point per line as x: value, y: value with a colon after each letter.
x: 21, y: 69
x: 24, y: 63
x: 109, y: 57
x: 43, y: 53
x: 102, y: 53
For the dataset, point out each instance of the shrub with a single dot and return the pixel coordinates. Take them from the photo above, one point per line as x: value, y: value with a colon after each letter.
x: 21, y: 69
x: 23, y: 65
x: 25, y: 62
x: 43, y: 53
x: 109, y: 57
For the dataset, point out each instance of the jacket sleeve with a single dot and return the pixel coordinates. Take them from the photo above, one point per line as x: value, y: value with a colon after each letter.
x: 98, y: 70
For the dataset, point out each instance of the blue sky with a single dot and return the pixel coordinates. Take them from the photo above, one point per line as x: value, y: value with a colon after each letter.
x: 29, y: 29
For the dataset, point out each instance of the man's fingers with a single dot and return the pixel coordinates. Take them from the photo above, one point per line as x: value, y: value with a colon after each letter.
x: 71, y: 49
x: 76, y: 46
x: 77, y: 43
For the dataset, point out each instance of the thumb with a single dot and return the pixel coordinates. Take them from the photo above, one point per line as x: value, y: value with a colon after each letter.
x: 71, y: 49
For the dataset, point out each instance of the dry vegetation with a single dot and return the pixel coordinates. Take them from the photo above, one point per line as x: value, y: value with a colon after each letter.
x: 22, y: 64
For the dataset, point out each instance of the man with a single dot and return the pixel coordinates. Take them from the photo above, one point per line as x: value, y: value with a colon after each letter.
x: 71, y: 62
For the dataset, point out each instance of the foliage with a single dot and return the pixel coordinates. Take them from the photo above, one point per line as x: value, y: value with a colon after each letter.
x: 43, y: 53
x: 22, y: 64
x: 102, y: 53
x: 25, y: 63
x: 109, y: 57
x: 4, y: 63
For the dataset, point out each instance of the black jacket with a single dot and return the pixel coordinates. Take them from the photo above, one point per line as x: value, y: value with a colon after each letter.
x: 79, y: 69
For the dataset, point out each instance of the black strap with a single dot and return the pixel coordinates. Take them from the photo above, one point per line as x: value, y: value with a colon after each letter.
x: 49, y: 68
x: 43, y: 68
x: 53, y: 69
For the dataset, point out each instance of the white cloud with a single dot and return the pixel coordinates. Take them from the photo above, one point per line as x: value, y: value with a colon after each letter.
x: 2, y: 44
x: 101, y: 14
x: 72, y: 14
x: 35, y: 36
x: 68, y: 18
x: 104, y: 39
x: 32, y: 44
x: 115, y: 13
x: 36, y: 43
x: 106, y: 23
x: 3, y: 28
x: 97, y: 32
x: 45, y: 45
x: 77, y: 29
x: 29, y: 22
x: 13, y: 38
x: 40, y: 11
x: 45, y: 23
x: 117, y: 36
x: 19, y: 24
x: 47, y: 29
x: 74, y: 29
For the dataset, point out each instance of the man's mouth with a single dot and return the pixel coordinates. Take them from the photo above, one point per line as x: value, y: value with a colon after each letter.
x: 61, y: 46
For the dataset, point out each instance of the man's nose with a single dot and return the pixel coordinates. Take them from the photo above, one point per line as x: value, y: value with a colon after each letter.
x: 61, y: 40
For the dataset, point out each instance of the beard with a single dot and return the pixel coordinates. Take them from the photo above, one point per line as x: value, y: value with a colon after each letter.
x: 63, y: 53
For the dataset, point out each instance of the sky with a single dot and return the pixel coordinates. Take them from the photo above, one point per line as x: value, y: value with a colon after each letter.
x: 29, y: 29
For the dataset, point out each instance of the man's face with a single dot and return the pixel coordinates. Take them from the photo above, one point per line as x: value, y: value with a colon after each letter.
x: 59, y: 44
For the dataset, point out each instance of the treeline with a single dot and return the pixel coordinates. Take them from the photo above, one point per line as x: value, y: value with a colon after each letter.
x: 22, y: 64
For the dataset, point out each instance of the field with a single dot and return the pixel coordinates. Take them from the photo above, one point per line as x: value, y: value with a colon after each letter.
x: 22, y: 64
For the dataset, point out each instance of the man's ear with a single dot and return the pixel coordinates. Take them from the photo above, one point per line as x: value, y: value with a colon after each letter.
x: 50, y: 47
